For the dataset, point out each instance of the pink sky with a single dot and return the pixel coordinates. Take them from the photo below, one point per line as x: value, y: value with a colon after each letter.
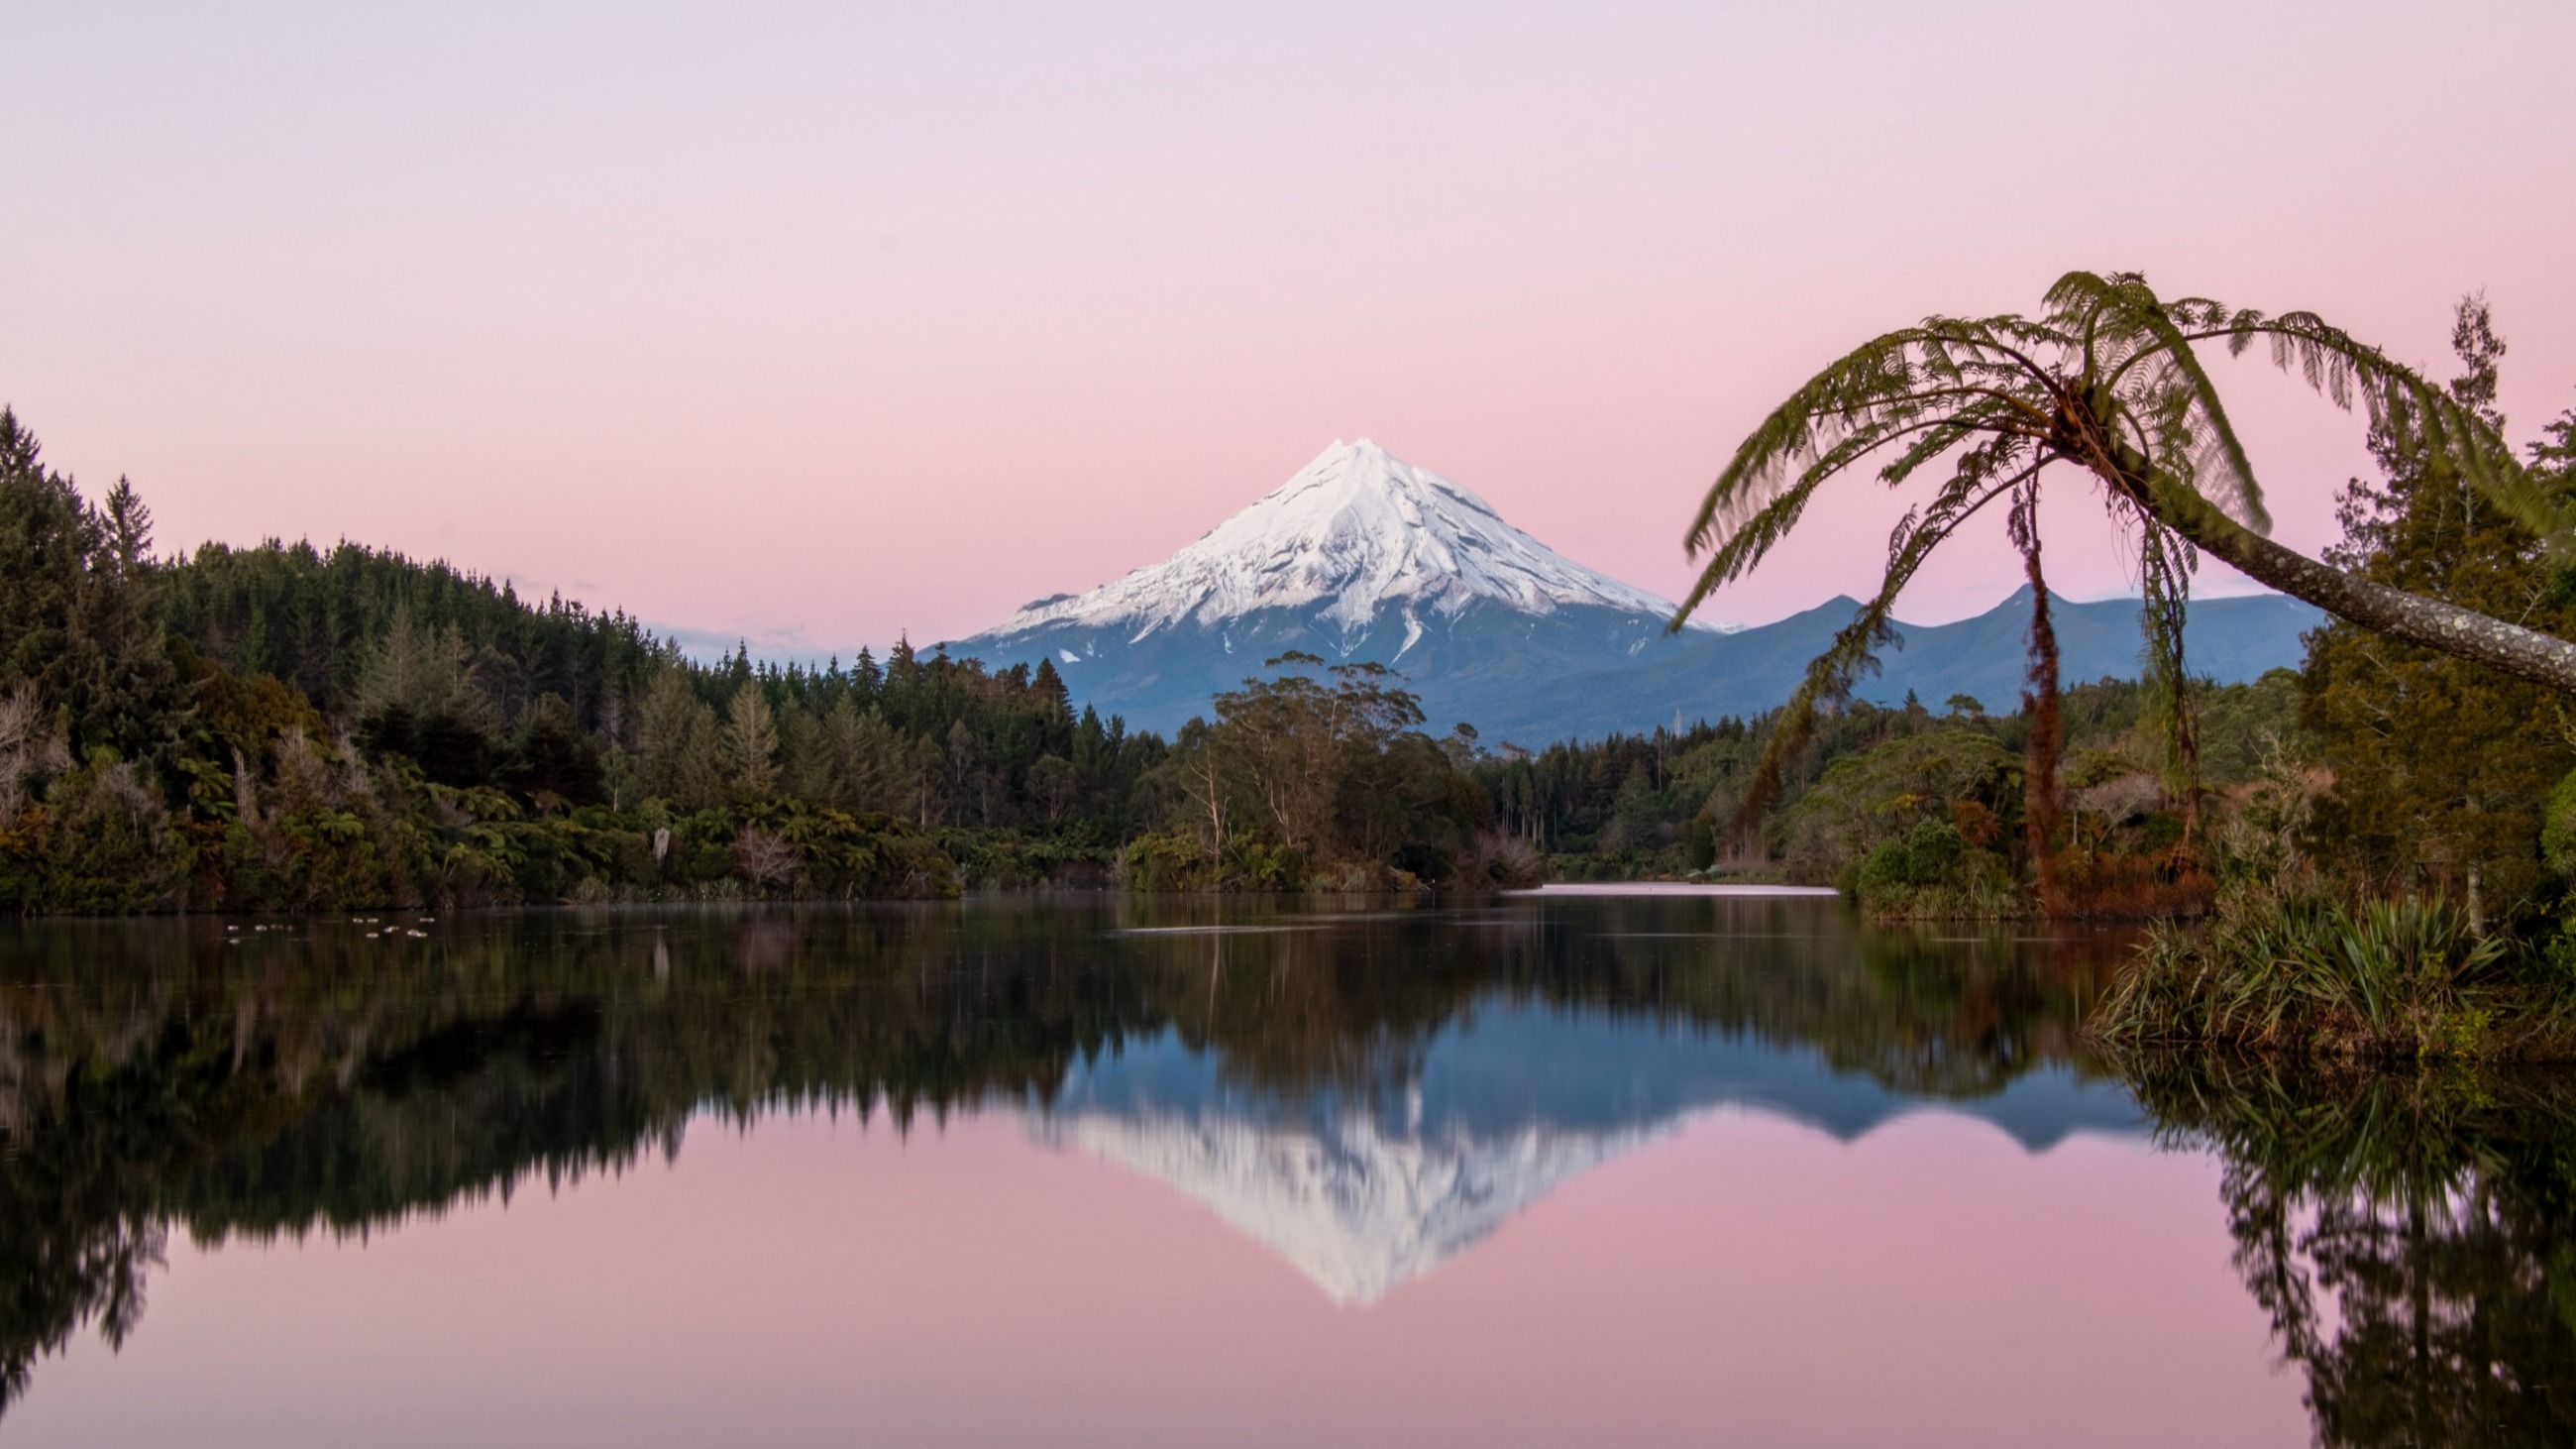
x: 1745, y: 1281
x: 817, y: 326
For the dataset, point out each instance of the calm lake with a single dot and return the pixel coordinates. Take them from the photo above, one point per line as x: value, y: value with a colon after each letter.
x: 1106, y: 1171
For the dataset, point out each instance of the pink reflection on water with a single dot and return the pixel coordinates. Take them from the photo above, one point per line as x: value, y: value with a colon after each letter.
x: 1744, y: 1281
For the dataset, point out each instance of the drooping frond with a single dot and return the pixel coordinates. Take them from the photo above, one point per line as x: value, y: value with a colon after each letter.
x: 1854, y: 652
x: 2108, y: 378
x: 1929, y: 389
x: 2200, y: 448
x: 2165, y: 563
x: 2412, y: 409
x: 2040, y: 814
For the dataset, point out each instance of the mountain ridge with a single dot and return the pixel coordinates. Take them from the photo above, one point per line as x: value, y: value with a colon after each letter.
x: 1362, y: 557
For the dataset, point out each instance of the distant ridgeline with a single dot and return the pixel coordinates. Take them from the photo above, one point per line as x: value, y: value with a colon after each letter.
x: 1362, y: 557
x: 1710, y: 676
x: 286, y: 727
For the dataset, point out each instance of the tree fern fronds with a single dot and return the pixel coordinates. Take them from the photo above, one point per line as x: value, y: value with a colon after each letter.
x: 2107, y: 377
x: 2220, y: 455
x: 1853, y: 653
x: 2415, y: 411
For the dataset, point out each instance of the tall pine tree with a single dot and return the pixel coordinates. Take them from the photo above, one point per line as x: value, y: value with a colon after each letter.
x: 80, y: 612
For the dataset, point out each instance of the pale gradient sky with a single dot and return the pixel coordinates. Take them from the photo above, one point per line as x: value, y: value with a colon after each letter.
x: 817, y: 323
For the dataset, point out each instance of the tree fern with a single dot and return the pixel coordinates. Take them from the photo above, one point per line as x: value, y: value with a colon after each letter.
x: 2109, y: 380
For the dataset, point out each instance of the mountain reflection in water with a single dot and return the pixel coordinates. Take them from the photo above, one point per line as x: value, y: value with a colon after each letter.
x: 1368, y: 1094
x: 1362, y: 1189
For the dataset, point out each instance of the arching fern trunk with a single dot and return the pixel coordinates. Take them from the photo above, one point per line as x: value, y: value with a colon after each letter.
x: 2510, y: 649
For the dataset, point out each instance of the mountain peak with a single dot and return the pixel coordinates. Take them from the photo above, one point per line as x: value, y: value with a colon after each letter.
x: 1355, y: 535
x: 1348, y: 476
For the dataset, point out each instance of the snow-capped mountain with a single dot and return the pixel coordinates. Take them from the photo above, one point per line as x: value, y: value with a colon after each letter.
x: 1359, y: 556
x: 1357, y: 538
x: 1364, y: 557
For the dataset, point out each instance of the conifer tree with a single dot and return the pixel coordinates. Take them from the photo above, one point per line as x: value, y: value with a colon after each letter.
x: 675, y: 741
x: 80, y: 616
x: 749, y: 749
x: 2443, y: 768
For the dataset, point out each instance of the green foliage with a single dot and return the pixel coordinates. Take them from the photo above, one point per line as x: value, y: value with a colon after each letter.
x: 1702, y: 850
x: 2558, y: 827
x: 2311, y: 976
x: 2107, y: 381
x: 1920, y: 826
x: 1168, y: 860
x: 1631, y: 805
x: 2242, y: 729
x: 2443, y: 770
x: 1662, y: 803
x: 80, y: 607
x: 1926, y: 856
x: 1303, y: 782
x: 292, y: 729
x: 363, y: 627
x: 101, y: 843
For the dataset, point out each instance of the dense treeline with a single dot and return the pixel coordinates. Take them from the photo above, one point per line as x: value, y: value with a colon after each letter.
x: 314, y: 620
x: 287, y: 727
x: 284, y: 727
x: 1917, y: 812
x: 480, y: 688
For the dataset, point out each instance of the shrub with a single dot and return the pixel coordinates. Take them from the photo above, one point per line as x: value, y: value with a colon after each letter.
x: 2387, y: 978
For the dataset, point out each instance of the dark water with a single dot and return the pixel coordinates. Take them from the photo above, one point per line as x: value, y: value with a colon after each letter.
x: 1676, y: 1171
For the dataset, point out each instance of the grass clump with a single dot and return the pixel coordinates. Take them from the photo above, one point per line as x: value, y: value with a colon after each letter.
x: 2403, y: 979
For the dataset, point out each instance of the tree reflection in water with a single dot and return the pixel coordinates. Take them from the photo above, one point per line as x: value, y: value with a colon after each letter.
x: 2410, y: 1236
x: 313, y: 1078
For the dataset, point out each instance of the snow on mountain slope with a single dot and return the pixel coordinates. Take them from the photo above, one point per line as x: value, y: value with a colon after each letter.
x: 1362, y: 557
x: 1355, y: 1208
x: 1355, y: 533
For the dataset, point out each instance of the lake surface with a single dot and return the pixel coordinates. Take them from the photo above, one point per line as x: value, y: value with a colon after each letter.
x: 1104, y: 1171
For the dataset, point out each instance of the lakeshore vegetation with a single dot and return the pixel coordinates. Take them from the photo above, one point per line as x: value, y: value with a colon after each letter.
x: 2393, y: 875
x: 287, y: 727
x: 293, y: 728
x: 2383, y: 841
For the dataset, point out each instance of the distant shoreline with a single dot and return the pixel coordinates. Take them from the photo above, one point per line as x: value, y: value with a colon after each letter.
x: 1669, y: 888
